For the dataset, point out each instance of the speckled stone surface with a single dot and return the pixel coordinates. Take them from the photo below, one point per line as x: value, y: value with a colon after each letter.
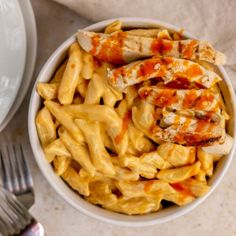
x: 216, y: 216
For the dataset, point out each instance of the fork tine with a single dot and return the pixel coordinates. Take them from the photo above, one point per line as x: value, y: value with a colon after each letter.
x: 13, y: 168
x: 20, y: 168
x: 16, y: 176
x: 8, y: 216
x: 27, y: 176
x: 2, y: 170
x: 13, y: 214
x: 23, y: 216
x: 3, y: 226
x: 6, y: 170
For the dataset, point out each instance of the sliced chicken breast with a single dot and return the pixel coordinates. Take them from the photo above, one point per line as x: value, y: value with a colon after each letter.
x: 187, y: 131
x: 178, y: 99
x: 122, y: 47
x: 176, y: 73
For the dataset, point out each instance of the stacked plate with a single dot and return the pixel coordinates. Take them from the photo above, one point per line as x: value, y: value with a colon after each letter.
x: 18, y: 45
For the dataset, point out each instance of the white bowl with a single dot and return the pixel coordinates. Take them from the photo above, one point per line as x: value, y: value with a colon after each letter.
x: 72, y: 197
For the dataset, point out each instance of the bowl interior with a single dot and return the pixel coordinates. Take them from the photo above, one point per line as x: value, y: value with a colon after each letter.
x: 72, y: 197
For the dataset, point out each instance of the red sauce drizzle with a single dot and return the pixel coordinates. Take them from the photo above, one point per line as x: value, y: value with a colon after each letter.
x: 125, y: 125
x: 97, y: 63
x: 201, y: 125
x: 95, y: 43
x: 193, y: 71
x: 111, y: 49
x: 165, y: 98
x: 182, y: 189
x: 160, y: 46
x: 188, y: 50
x: 147, y: 68
x: 189, y: 139
x: 148, y: 185
x: 183, y: 79
x: 190, y: 99
x: 198, y: 85
x: 144, y: 93
x: 179, y: 83
x: 205, y: 98
x: 119, y: 72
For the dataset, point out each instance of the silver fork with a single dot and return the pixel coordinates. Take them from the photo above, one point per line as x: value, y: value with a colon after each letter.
x: 16, y: 177
x: 15, y: 173
x: 15, y: 218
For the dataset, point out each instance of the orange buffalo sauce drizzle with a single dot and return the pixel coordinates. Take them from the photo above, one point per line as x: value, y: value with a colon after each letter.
x: 119, y: 72
x: 188, y: 50
x: 110, y: 49
x: 160, y: 46
x: 201, y: 125
x: 147, y: 68
x: 179, y: 83
x: 182, y: 189
x: 95, y: 43
x: 204, y: 99
x: 183, y: 80
x: 190, y: 99
x: 165, y: 98
x: 193, y: 71
x: 125, y: 125
x: 96, y: 62
x: 148, y: 184
x: 192, y: 155
x: 160, y: 99
x: 143, y: 94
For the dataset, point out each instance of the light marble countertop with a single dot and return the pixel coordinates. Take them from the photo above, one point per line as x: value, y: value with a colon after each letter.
x: 216, y: 216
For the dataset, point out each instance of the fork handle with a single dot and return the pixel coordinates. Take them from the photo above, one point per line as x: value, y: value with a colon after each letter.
x: 34, y: 229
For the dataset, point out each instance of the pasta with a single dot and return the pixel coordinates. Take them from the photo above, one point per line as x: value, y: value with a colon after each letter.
x: 71, y: 75
x: 126, y: 134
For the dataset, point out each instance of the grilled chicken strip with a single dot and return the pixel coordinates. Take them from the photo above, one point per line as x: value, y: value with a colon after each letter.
x: 179, y: 99
x: 187, y: 131
x: 122, y: 47
x: 175, y: 73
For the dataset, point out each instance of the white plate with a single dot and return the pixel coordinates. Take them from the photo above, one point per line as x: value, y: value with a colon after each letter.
x: 12, y: 53
x: 31, y: 36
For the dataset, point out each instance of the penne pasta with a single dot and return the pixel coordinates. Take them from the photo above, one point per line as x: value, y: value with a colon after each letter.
x: 99, y: 88
x: 70, y: 78
x: 113, y: 27
x: 45, y: 127
x: 61, y: 163
x: 59, y: 73
x: 56, y: 148
x: 88, y: 67
x: 79, y: 152
x: 48, y: 91
x: 179, y: 174
x: 106, y: 115
x: 100, y: 157
x: 75, y: 181
x: 65, y: 119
